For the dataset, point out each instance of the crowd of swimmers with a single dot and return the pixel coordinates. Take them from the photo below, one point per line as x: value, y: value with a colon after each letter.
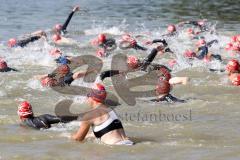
x: 103, y: 120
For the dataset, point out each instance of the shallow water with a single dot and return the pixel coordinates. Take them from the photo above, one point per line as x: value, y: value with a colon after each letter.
x: 211, y: 128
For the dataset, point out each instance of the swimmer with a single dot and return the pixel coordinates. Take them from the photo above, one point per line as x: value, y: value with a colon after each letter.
x: 163, y: 89
x: 104, y: 121
x: 62, y: 29
x: 128, y: 42
x: 201, y: 24
x: 203, y: 50
x: 28, y: 119
x: 60, y: 58
x: 106, y: 45
x: 27, y: 39
x: 4, y: 67
x: 62, y: 77
x: 171, y: 31
x: 233, y: 70
x: 60, y: 40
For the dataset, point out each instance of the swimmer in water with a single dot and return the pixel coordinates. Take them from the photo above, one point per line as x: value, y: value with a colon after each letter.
x: 127, y: 42
x: 4, y: 67
x: 60, y: 58
x: 28, y: 119
x: 106, y: 45
x: 203, y: 50
x: 62, y: 29
x: 62, y: 77
x: 233, y: 70
x: 163, y: 89
x: 201, y: 24
x: 104, y: 121
x: 13, y: 42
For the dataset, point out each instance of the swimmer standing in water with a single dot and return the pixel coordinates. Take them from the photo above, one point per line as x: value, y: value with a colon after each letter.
x: 104, y: 122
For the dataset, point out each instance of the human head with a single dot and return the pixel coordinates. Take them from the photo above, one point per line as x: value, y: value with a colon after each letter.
x: 133, y: 62
x: 25, y: 110
x: 58, y: 27
x: 63, y: 69
x: 201, y: 42
x: 3, y: 64
x: 97, y: 94
x: 55, y: 52
x: 48, y: 82
x: 163, y: 87
x: 232, y: 66
x: 56, y: 37
x: 101, y: 38
x: 171, y: 28
x: 12, y: 42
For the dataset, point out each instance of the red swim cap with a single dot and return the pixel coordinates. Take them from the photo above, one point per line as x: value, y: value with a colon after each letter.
x: 165, y: 73
x: 229, y: 46
x: 236, y: 80
x: 55, y: 52
x: 101, y: 38
x: 234, y: 38
x: 24, y: 110
x: 171, y: 28
x: 63, y: 69
x: 189, y: 54
x: 201, y: 42
x: 3, y: 64
x: 58, y: 27
x: 190, y: 31
x: 56, y: 37
x: 132, y: 62
x: 163, y: 87
x: 98, y: 93
x: 12, y: 42
x: 48, y: 82
x: 236, y: 47
x: 233, y: 65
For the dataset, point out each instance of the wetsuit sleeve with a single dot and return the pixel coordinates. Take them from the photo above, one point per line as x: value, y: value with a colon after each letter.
x: 209, y: 44
x: 108, y: 73
x: 148, y: 60
x: 203, y: 52
x: 140, y: 47
x: 163, y: 41
x: 8, y: 69
x: 24, y: 42
x: 64, y: 27
x: 51, y: 119
x: 68, y: 79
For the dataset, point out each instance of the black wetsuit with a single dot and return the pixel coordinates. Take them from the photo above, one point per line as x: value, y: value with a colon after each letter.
x: 23, y: 42
x: 138, y: 47
x: 195, y: 23
x: 64, y: 27
x: 109, y: 44
x: 203, y: 51
x: 168, y: 98
x: 8, y: 69
x: 163, y: 41
x: 42, y: 121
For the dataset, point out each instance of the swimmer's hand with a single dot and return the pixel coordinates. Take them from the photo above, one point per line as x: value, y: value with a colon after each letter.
x: 76, y: 8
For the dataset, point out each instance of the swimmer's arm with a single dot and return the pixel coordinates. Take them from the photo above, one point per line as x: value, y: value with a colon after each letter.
x: 82, y: 132
x: 209, y: 44
x: 64, y: 27
x: 108, y: 73
x: 148, y: 60
x: 179, y: 80
x: 140, y: 47
x: 51, y: 119
x: 163, y: 41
